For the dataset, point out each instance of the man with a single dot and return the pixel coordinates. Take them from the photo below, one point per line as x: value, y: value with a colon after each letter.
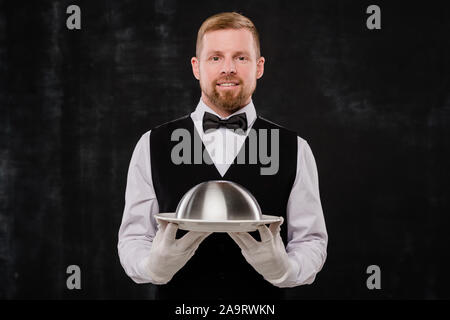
x: 220, y: 265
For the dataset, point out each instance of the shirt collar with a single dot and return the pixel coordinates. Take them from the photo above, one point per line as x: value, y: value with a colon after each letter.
x: 249, y: 110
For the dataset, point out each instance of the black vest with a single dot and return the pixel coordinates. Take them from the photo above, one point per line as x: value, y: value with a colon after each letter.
x: 218, y: 270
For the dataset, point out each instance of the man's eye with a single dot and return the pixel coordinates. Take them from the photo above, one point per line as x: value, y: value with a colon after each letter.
x: 215, y: 58
x: 242, y: 58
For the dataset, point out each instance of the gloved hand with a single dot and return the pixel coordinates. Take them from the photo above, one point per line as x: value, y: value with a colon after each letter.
x: 268, y: 256
x: 167, y: 254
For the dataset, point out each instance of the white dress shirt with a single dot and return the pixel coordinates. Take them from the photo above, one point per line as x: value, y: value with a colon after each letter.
x: 306, y: 232
x: 222, y: 144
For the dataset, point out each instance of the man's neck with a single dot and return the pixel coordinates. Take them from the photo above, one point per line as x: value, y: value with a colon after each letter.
x: 221, y: 112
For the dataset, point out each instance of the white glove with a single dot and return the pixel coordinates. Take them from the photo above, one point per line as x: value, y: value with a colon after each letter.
x: 167, y: 254
x: 268, y: 256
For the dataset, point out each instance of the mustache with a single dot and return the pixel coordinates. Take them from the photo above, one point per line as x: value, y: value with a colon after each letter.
x: 226, y: 79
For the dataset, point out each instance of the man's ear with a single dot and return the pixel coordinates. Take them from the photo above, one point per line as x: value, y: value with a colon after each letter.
x: 260, y: 67
x: 195, y: 67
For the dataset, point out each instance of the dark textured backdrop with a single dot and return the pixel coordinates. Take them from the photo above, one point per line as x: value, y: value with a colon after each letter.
x: 374, y: 106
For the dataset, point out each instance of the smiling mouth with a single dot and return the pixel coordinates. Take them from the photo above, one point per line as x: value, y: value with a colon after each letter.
x: 228, y: 84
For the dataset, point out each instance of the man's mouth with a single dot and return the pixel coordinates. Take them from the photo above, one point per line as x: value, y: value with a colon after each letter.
x: 228, y: 84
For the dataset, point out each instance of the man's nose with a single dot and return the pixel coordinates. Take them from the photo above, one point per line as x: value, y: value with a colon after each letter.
x: 228, y: 66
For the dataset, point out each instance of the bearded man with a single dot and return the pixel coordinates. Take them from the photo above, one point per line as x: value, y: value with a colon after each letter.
x: 203, y: 265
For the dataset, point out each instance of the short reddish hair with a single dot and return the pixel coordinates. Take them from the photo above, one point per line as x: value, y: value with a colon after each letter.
x: 227, y: 20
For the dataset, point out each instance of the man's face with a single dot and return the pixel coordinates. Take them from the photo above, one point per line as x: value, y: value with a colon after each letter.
x: 228, y: 68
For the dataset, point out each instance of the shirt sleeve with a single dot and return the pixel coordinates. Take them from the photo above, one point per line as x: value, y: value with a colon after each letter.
x: 138, y: 226
x: 307, y: 234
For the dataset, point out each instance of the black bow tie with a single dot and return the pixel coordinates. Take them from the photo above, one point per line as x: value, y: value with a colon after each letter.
x: 211, y: 121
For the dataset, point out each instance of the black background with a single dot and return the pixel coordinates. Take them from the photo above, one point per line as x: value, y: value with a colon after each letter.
x: 374, y: 106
